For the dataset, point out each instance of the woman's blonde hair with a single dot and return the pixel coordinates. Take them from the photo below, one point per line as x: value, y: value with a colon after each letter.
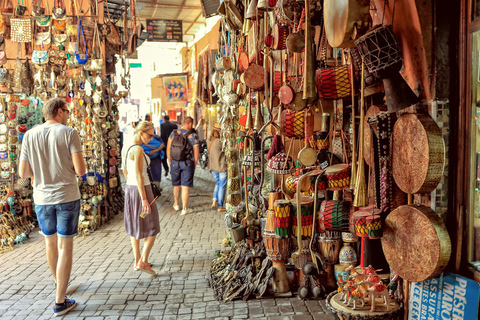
x: 143, y: 126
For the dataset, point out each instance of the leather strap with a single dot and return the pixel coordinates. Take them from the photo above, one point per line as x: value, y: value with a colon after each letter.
x: 210, y: 147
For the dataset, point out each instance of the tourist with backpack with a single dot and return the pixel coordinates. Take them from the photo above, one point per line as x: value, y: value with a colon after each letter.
x: 183, y: 153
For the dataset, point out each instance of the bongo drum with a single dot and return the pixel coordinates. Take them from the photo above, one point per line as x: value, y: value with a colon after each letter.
x: 374, y: 226
x: 338, y: 176
x: 292, y: 181
x: 360, y: 222
x: 282, y: 217
x: 334, y: 216
x: 329, y: 248
x: 306, y: 211
x: 278, y: 250
x: 380, y: 48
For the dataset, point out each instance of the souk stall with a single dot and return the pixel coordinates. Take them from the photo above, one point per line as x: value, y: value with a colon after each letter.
x: 68, y: 50
x: 327, y: 148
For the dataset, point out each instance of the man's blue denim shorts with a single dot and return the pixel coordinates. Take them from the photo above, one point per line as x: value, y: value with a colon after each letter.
x: 59, y: 218
x: 182, y: 173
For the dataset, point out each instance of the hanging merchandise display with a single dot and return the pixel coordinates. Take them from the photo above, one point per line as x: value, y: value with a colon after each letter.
x: 53, y: 61
x: 308, y: 209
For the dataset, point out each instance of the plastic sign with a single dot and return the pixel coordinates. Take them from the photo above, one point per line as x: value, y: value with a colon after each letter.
x: 449, y: 296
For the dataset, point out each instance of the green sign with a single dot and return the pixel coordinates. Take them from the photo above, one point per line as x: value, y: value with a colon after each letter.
x: 135, y: 65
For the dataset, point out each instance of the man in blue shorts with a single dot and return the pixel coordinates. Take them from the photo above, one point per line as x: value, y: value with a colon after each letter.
x: 52, y: 156
x: 183, y: 153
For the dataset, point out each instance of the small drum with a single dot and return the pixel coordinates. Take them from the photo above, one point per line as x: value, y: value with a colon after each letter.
x: 307, y: 215
x: 280, y: 34
x: 360, y: 221
x: 380, y: 48
x: 322, y: 140
x: 329, y: 248
x: 278, y: 249
x: 338, y: 176
x: 291, y: 184
x: 270, y: 221
x: 334, y: 216
x: 282, y: 217
x: 374, y: 226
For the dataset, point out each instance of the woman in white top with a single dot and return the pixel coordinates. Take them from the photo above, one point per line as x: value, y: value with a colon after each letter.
x: 138, y: 196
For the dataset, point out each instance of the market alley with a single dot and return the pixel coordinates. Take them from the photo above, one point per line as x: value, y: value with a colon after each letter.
x: 106, y: 287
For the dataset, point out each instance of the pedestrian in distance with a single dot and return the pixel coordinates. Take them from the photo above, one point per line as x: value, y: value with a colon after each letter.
x: 52, y: 156
x: 155, y: 150
x: 218, y: 167
x: 166, y: 129
x: 140, y: 211
x: 183, y: 153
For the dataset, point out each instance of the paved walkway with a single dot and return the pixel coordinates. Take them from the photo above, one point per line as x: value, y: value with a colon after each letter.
x: 106, y: 287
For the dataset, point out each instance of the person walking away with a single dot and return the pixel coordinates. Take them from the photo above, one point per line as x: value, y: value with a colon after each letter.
x: 218, y: 167
x: 166, y: 129
x: 52, y: 156
x: 140, y: 211
x: 155, y: 150
x: 183, y: 153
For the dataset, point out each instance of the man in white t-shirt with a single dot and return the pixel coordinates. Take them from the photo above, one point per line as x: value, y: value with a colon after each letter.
x: 52, y: 156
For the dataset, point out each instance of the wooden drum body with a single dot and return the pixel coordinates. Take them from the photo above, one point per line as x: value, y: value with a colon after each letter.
x: 416, y: 243
x: 278, y: 250
x: 418, y: 153
x: 307, y: 215
x: 282, y: 212
x: 380, y: 48
x: 329, y: 248
x: 338, y: 176
x: 334, y: 215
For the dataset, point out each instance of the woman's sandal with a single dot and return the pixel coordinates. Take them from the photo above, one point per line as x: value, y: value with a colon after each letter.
x: 141, y: 266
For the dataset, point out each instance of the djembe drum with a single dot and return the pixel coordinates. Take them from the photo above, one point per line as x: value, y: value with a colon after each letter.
x: 282, y: 218
x: 334, y: 215
x: 306, y: 211
x: 278, y: 250
x: 338, y: 176
x: 329, y: 248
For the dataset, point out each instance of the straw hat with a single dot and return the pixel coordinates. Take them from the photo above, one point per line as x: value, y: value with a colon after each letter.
x: 217, y: 126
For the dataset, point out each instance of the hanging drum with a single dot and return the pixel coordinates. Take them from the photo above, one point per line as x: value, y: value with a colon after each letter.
x: 416, y: 243
x: 343, y: 19
x: 333, y: 82
x: 280, y: 34
x: 334, y: 216
x: 338, y: 176
x: 254, y: 76
x: 381, y: 51
x: 418, y: 153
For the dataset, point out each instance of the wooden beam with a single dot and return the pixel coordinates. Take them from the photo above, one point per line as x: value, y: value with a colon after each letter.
x: 160, y: 4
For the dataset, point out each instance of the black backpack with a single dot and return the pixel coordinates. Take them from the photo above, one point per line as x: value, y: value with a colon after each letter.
x: 179, y: 150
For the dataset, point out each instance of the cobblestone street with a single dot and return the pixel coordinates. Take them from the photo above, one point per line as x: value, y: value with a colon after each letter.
x: 106, y: 287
